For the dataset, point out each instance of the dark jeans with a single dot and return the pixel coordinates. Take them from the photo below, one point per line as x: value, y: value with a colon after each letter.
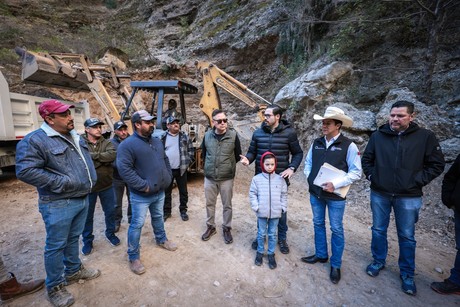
x: 183, y: 193
x: 455, y: 272
x: 282, y: 227
x: 119, y: 187
x: 107, y: 199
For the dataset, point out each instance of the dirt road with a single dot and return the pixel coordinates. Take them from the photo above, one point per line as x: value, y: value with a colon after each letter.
x: 215, y: 274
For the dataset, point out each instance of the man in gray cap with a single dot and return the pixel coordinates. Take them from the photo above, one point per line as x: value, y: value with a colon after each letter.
x: 119, y: 186
x: 144, y: 166
x: 103, y: 154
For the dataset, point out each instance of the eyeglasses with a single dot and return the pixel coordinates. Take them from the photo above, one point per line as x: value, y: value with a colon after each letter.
x: 220, y: 121
x: 268, y: 115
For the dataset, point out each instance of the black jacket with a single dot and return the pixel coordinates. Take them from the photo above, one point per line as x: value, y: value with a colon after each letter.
x: 281, y: 142
x: 401, y: 164
x: 451, y: 186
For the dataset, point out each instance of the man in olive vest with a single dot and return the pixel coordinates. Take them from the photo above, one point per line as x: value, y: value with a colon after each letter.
x: 221, y: 150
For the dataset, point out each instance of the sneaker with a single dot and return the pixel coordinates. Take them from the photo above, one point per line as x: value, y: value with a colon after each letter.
x: 168, y: 245
x: 209, y: 233
x: 82, y: 274
x: 408, y: 285
x: 254, y: 245
x: 259, y: 259
x: 445, y: 287
x: 60, y: 297
x: 284, y: 247
x: 87, y: 249
x: 374, y: 268
x: 113, y: 239
x: 271, y: 261
x: 136, y: 267
x: 227, y: 235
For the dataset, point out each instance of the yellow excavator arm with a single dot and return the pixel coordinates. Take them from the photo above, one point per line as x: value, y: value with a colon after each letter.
x: 214, y: 77
x: 76, y: 72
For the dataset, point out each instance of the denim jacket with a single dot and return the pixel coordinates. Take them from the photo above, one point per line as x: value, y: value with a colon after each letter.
x: 55, y: 166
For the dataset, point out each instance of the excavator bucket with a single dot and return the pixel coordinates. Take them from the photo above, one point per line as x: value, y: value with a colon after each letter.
x: 42, y: 68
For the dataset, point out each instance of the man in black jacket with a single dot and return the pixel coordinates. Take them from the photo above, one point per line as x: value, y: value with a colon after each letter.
x: 451, y: 198
x: 399, y: 160
x: 277, y: 136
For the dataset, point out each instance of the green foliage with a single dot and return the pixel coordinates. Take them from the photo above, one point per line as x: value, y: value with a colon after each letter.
x: 8, y: 56
x: 367, y: 23
x: 4, y: 10
x: 9, y: 34
x: 110, y: 4
x: 185, y: 26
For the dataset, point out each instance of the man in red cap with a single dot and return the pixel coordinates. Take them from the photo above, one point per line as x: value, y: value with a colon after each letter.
x: 56, y: 160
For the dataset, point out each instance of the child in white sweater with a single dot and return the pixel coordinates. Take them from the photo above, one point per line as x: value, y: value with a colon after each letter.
x: 268, y: 197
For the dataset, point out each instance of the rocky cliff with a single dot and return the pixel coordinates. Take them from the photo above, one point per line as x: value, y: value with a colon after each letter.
x: 308, y: 54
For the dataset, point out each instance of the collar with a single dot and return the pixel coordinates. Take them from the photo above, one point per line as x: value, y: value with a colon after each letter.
x: 332, y: 139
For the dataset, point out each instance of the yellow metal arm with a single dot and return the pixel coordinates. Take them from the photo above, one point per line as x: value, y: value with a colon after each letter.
x: 213, y: 77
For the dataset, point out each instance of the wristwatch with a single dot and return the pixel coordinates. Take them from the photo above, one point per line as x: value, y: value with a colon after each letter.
x: 293, y: 168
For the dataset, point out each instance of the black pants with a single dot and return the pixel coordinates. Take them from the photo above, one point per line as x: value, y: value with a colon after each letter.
x: 119, y: 188
x: 183, y: 194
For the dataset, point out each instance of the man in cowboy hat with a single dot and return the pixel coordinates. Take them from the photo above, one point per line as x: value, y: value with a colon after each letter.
x: 339, y: 151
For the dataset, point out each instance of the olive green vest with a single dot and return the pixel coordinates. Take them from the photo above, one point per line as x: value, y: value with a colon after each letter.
x: 220, y: 163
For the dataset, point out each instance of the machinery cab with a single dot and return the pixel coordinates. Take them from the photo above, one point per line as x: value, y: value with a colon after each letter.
x: 160, y: 88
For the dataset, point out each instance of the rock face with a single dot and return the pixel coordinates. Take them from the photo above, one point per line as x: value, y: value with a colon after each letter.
x: 314, y: 85
x: 304, y: 57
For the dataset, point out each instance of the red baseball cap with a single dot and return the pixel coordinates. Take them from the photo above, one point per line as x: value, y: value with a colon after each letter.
x: 51, y: 106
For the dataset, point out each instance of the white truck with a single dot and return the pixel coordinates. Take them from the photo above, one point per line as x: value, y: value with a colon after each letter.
x: 19, y: 116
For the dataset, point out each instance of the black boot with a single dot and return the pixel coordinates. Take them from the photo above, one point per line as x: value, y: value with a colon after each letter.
x: 271, y: 261
x: 259, y: 259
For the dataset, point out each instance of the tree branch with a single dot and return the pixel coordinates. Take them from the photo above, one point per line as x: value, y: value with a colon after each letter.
x: 425, y: 8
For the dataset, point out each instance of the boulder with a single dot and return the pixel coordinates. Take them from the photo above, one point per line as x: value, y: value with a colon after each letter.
x: 315, y: 84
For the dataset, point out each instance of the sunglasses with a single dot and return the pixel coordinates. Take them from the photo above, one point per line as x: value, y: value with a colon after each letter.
x: 220, y: 121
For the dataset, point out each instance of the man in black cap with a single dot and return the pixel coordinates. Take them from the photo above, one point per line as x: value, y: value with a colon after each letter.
x: 103, y: 154
x: 144, y: 166
x: 171, y: 112
x: 121, y: 133
x: 180, y: 151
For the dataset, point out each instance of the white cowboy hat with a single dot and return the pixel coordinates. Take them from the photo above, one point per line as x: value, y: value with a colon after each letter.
x: 335, y: 113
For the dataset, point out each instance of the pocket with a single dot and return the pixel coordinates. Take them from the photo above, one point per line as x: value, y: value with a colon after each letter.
x: 59, y: 154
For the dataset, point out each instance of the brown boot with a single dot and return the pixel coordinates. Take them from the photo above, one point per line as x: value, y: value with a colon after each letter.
x: 12, y: 289
x: 227, y: 235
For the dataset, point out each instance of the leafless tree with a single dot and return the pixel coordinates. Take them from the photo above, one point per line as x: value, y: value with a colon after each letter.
x: 436, y: 12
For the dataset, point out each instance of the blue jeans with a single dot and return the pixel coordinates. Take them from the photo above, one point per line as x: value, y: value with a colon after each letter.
x: 406, y: 210
x: 262, y: 224
x: 336, y: 209
x: 107, y: 198
x: 455, y: 271
x: 139, y: 206
x: 64, y: 220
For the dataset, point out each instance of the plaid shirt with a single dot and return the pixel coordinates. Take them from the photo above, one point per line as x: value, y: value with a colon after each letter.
x: 186, y: 150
